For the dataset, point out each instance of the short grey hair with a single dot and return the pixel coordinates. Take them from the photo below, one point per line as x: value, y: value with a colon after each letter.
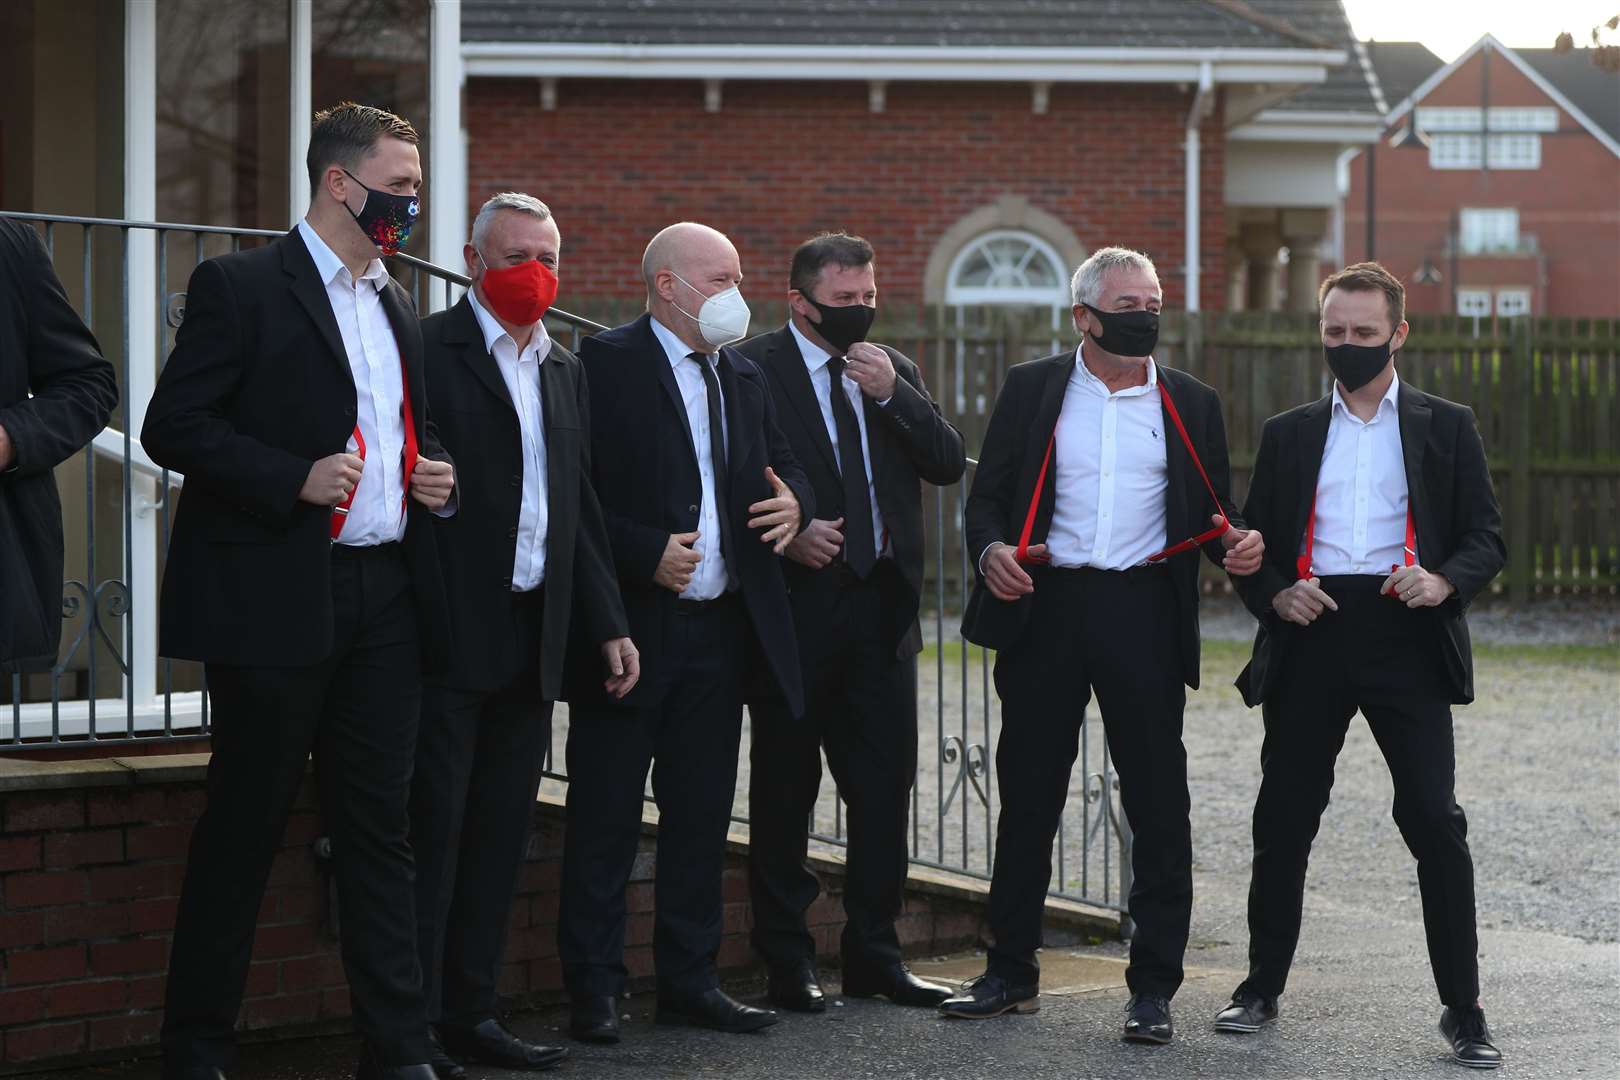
x: 506, y: 200
x: 1086, y: 287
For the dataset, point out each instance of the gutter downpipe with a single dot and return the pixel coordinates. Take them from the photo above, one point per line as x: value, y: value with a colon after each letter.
x: 1203, y: 103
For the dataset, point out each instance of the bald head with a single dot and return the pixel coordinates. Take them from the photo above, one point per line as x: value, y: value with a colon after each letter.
x: 683, y: 265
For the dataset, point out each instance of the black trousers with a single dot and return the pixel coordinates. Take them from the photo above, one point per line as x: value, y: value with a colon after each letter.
x: 861, y: 705
x: 478, y: 762
x: 1381, y: 657
x: 357, y: 711
x: 1115, y: 634
x: 688, y: 731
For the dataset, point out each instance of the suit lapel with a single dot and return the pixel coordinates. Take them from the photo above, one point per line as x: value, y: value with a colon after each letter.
x: 408, y: 335
x: 788, y: 362
x: 462, y: 328
x: 1175, y: 463
x: 310, y: 292
x: 1311, y: 436
x: 1412, y: 409
x: 1041, y: 435
x: 742, y: 412
x: 557, y: 403
x: 653, y: 350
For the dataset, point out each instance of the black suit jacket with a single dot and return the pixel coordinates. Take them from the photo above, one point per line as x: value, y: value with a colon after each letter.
x: 1021, y: 425
x: 46, y: 351
x: 646, y: 476
x: 1459, y: 524
x: 909, y: 441
x: 475, y: 416
x: 257, y: 389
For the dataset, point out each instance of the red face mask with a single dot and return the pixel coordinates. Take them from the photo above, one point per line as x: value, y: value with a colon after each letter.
x: 520, y: 294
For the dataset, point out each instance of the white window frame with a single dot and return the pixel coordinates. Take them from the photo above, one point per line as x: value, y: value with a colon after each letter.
x: 1514, y: 150
x: 1008, y: 296
x: 1448, y: 119
x: 1512, y: 302
x: 1475, y: 302
x: 1487, y: 230
x: 1454, y: 151
x: 1522, y: 118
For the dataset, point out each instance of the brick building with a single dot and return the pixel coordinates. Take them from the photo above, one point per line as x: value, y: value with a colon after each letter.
x: 1513, y: 207
x: 984, y: 149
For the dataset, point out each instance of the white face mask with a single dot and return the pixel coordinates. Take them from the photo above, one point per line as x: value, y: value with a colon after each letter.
x: 722, y: 319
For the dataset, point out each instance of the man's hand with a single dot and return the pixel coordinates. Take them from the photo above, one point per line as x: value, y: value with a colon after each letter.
x: 7, y: 451
x: 432, y: 482
x: 1417, y: 587
x: 818, y: 544
x: 332, y: 479
x: 679, y: 562
x: 1007, y: 580
x: 623, y: 664
x: 1244, y: 549
x: 1302, y: 602
x: 779, y: 515
x: 870, y: 368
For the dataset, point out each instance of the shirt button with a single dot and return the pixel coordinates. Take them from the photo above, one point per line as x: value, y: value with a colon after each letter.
x: 692, y: 509
x: 517, y: 480
x: 511, y: 534
x: 507, y: 582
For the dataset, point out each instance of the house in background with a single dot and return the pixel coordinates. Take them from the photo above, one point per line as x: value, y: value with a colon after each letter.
x: 1513, y: 207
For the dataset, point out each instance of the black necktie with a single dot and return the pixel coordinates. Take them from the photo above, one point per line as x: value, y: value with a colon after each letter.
x: 717, y: 455
x: 860, y: 550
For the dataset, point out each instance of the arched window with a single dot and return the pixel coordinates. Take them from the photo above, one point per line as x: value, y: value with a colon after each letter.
x: 1008, y: 267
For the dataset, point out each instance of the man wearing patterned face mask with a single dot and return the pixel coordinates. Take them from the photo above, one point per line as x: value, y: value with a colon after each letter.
x: 701, y: 493
x: 1386, y: 527
x: 525, y: 558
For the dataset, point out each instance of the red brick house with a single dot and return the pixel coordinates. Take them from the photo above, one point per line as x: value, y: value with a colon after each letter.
x: 1514, y: 205
x: 983, y: 148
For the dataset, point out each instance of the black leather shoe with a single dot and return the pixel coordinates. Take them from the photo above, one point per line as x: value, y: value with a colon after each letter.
x: 1147, y: 1019
x: 490, y: 1043
x: 1470, y: 1039
x: 991, y: 995
x: 797, y: 989
x: 595, y: 1019
x: 713, y: 1009
x: 444, y: 1066
x: 371, y: 1069
x: 897, y: 984
x: 195, y: 1072
x: 1248, y: 1012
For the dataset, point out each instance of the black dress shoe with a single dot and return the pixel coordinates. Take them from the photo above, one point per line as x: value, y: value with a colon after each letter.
x: 1470, y: 1039
x: 444, y: 1066
x: 797, y: 989
x: 897, y: 984
x: 595, y: 1019
x: 714, y: 1009
x: 1248, y: 1012
x: 991, y: 995
x: 371, y: 1069
x: 1147, y: 1019
x: 490, y: 1043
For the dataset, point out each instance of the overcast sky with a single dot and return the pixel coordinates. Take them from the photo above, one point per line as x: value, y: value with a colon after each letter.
x: 1448, y: 27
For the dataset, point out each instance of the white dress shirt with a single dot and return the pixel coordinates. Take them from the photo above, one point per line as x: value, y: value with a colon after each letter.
x: 1109, y: 473
x: 815, y: 358
x: 709, y: 579
x: 377, y: 514
x: 521, y: 373
x: 1361, y: 492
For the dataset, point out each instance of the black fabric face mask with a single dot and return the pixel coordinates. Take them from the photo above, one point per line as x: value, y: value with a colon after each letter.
x: 843, y: 326
x: 1127, y: 333
x: 1356, y: 365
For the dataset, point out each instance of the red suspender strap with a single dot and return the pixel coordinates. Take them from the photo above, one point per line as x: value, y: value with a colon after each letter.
x: 1302, y: 565
x: 340, y: 512
x: 1022, y: 553
x: 1208, y: 534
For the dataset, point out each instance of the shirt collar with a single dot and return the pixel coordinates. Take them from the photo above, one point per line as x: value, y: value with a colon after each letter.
x: 1389, y: 400
x: 327, y: 263
x: 539, y: 342
x: 815, y: 357
x: 676, y: 349
x: 1084, y: 377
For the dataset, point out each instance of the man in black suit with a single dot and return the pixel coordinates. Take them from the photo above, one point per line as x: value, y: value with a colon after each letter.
x: 860, y: 419
x: 1385, y: 527
x: 56, y: 392
x: 525, y: 556
x: 701, y: 494
x: 1102, y: 475
x: 302, y: 573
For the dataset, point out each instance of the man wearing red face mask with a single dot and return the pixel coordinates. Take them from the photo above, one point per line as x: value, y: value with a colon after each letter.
x: 528, y: 551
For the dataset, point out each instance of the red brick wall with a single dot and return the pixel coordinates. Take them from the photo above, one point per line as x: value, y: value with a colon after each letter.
x: 88, y: 885
x: 619, y: 160
x: 1570, y: 205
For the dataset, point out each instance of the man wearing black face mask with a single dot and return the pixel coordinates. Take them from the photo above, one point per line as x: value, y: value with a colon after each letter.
x: 1380, y: 501
x: 1103, y: 474
x: 860, y: 419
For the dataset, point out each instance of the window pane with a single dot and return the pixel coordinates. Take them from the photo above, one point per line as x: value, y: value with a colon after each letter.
x: 1473, y: 302
x: 1515, y: 151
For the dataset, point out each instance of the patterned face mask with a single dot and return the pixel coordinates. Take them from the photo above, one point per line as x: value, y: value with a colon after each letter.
x: 386, y: 218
